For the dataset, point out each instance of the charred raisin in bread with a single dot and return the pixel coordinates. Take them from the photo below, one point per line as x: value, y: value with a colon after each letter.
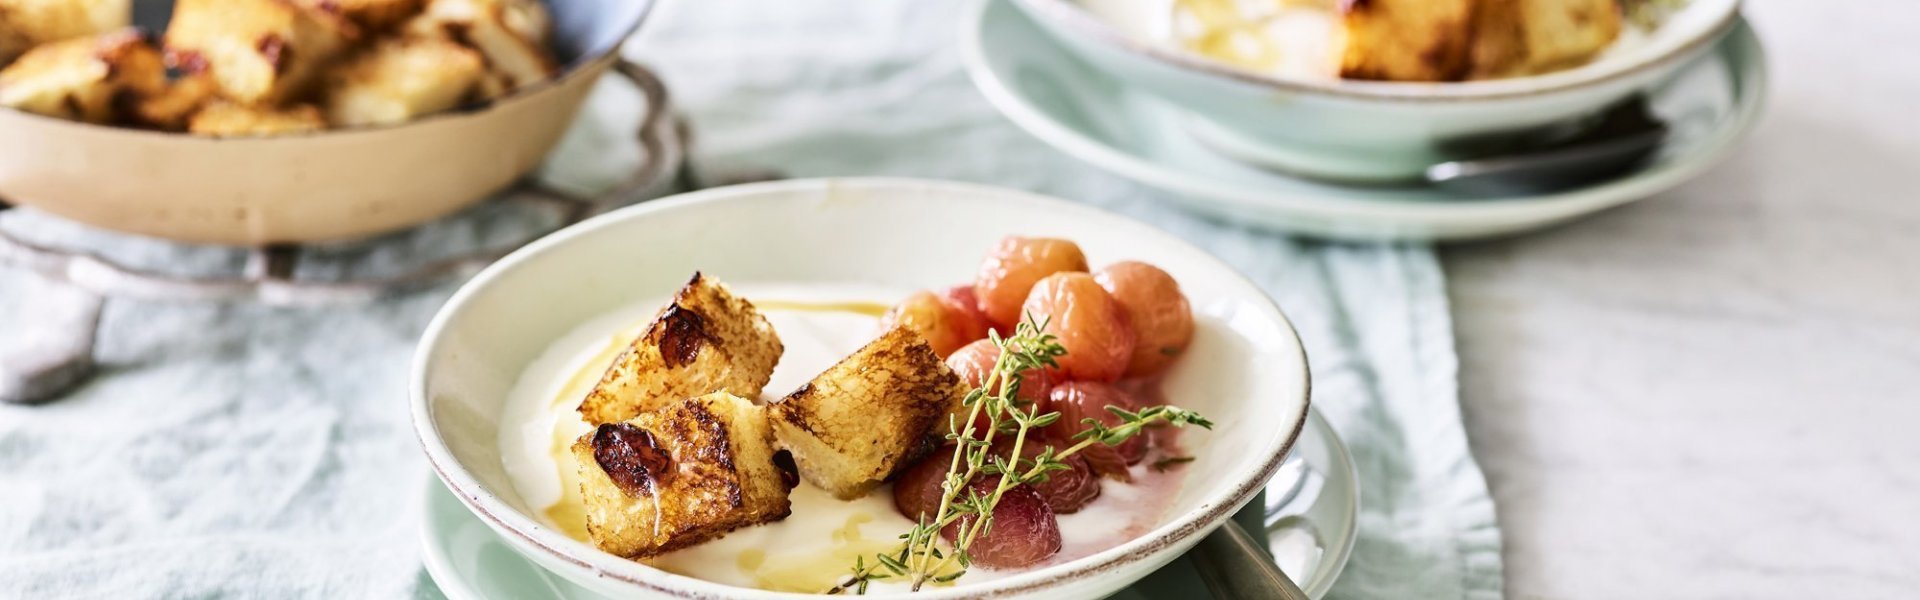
x: 707, y: 340
x: 686, y: 473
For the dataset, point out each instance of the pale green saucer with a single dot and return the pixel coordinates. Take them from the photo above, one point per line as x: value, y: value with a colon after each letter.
x: 1084, y: 112
x: 468, y: 561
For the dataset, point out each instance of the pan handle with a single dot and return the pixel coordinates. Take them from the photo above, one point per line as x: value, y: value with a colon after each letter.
x: 47, y: 371
x: 664, y: 148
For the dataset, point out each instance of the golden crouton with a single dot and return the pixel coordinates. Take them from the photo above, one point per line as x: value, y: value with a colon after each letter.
x: 28, y: 23
x: 399, y: 80
x: 1566, y: 33
x: 869, y: 416
x: 1524, y: 37
x: 1499, y: 39
x: 94, y: 79
x: 684, y: 474
x: 176, y: 103
x: 707, y: 340
x: 1407, y: 40
x: 258, y: 51
x: 511, y: 34
x: 226, y: 119
x: 372, y: 15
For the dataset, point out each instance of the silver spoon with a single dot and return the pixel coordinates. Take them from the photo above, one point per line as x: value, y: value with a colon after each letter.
x: 1558, y: 156
x: 1552, y: 168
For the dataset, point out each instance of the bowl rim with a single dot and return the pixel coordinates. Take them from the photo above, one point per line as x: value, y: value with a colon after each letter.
x: 524, y: 533
x: 585, y: 64
x: 1070, y: 14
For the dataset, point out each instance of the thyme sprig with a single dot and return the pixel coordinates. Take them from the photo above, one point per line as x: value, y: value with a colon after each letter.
x: 918, y: 558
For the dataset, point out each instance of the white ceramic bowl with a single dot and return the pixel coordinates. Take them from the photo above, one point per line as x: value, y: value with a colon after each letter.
x: 1246, y: 370
x: 1367, y: 130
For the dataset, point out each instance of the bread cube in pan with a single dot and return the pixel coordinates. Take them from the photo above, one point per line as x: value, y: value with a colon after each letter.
x: 1407, y: 40
x: 28, y: 23
x: 97, y: 79
x: 176, y: 102
x: 227, y: 119
x: 1514, y: 38
x: 686, y: 473
x: 707, y: 340
x: 371, y: 15
x: 869, y: 416
x: 511, y: 34
x: 258, y: 51
x: 399, y: 80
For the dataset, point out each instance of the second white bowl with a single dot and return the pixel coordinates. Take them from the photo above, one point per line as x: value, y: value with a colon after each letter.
x: 1369, y: 130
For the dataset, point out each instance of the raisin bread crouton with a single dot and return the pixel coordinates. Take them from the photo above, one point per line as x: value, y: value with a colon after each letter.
x: 707, y: 340
x: 97, y: 79
x: 870, y: 415
x: 686, y: 473
x: 258, y: 51
x: 1407, y: 40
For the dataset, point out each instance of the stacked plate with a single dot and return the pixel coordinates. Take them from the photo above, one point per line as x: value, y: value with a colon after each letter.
x: 1332, y: 158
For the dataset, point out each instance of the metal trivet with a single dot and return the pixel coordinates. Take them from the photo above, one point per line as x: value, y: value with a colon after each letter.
x: 45, y: 370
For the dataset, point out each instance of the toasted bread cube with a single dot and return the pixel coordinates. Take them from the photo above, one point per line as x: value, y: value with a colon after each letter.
x: 226, y: 119
x: 1499, y: 40
x: 684, y: 474
x: 1407, y: 40
x: 1524, y: 37
x: 371, y: 15
x: 93, y: 79
x: 707, y: 340
x: 528, y: 19
x: 28, y: 23
x: 869, y: 416
x: 176, y: 103
x: 511, y: 34
x: 258, y: 51
x: 1565, y: 33
x: 399, y: 80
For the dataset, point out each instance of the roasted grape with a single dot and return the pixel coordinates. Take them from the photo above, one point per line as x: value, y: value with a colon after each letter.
x: 1077, y: 401
x: 962, y: 299
x: 973, y: 362
x: 1011, y: 269
x: 1023, y: 532
x: 1161, y: 319
x: 916, y: 491
x: 1066, y: 491
x: 944, y: 325
x: 1087, y: 322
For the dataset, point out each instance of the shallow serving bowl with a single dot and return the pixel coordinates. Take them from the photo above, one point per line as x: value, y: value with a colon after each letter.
x: 1246, y: 370
x: 328, y: 185
x: 1365, y: 130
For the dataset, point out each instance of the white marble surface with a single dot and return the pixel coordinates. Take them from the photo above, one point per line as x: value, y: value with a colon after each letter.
x: 1716, y: 393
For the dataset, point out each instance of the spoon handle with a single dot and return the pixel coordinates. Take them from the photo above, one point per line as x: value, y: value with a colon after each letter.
x: 1234, y: 566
